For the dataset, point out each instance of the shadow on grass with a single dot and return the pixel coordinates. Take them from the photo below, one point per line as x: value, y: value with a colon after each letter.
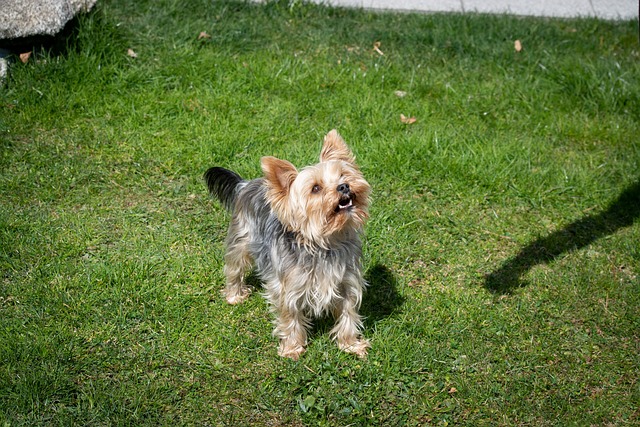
x: 621, y: 213
x: 381, y: 298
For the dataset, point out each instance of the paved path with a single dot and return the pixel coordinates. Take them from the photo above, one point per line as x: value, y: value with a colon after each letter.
x: 606, y: 9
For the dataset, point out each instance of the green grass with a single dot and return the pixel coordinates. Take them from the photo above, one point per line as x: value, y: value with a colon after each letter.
x: 503, y: 249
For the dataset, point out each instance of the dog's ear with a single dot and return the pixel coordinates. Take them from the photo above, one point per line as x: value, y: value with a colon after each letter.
x: 334, y: 148
x: 279, y: 174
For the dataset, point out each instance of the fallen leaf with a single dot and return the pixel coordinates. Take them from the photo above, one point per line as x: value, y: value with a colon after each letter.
x: 203, y: 35
x: 376, y: 47
x: 400, y: 93
x: 24, y: 57
x: 518, y: 45
x: 407, y: 120
x: 131, y: 53
x: 453, y: 390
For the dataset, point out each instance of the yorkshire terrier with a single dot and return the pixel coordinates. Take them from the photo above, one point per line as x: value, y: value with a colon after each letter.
x: 301, y: 232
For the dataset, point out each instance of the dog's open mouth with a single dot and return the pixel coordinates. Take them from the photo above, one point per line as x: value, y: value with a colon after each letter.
x: 345, y: 203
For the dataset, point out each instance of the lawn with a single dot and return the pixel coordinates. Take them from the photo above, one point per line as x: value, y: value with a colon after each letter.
x: 502, y: 252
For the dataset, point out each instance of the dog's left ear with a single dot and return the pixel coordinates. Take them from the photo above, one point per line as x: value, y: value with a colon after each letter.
x: 334, y: 148
x: 279, y: 175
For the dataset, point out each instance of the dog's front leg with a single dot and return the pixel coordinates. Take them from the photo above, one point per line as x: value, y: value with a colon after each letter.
x: 348, y: 327
x: 291, y: 328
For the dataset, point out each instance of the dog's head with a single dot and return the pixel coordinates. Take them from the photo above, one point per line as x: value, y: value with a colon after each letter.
x: 323, y: 202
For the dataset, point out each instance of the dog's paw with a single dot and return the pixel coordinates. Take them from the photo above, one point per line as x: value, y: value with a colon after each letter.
x: 291, y: 351
x: 358, y: 347
x: 236, y: 297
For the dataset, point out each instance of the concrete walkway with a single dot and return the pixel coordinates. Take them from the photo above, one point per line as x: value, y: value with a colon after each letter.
x: 605, y: 9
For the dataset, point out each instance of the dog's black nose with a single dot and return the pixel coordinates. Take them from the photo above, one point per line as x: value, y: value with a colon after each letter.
x: 343, y: 188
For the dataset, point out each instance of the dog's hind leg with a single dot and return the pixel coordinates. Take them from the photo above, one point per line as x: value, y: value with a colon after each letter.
x: 237, y: 261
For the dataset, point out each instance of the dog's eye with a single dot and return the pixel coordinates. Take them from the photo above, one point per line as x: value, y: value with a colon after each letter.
x: 315, y: 189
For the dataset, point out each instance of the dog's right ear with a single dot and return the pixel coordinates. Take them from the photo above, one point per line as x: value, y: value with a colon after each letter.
x: 334, y: 148
x: 279, y: 175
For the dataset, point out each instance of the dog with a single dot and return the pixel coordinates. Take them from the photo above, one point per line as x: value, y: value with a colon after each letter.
x: 300, y: 230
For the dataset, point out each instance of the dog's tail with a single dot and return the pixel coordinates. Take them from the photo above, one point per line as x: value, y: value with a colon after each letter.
x: 223, y: 184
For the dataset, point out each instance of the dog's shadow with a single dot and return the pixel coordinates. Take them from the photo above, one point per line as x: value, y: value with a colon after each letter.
x: 621, y: 213
x: 381, y: 298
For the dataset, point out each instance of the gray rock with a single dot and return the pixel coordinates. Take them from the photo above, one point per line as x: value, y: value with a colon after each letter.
x: 26, y: 18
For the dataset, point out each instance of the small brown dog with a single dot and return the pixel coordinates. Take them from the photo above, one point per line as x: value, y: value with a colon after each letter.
x: 301, y: 231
